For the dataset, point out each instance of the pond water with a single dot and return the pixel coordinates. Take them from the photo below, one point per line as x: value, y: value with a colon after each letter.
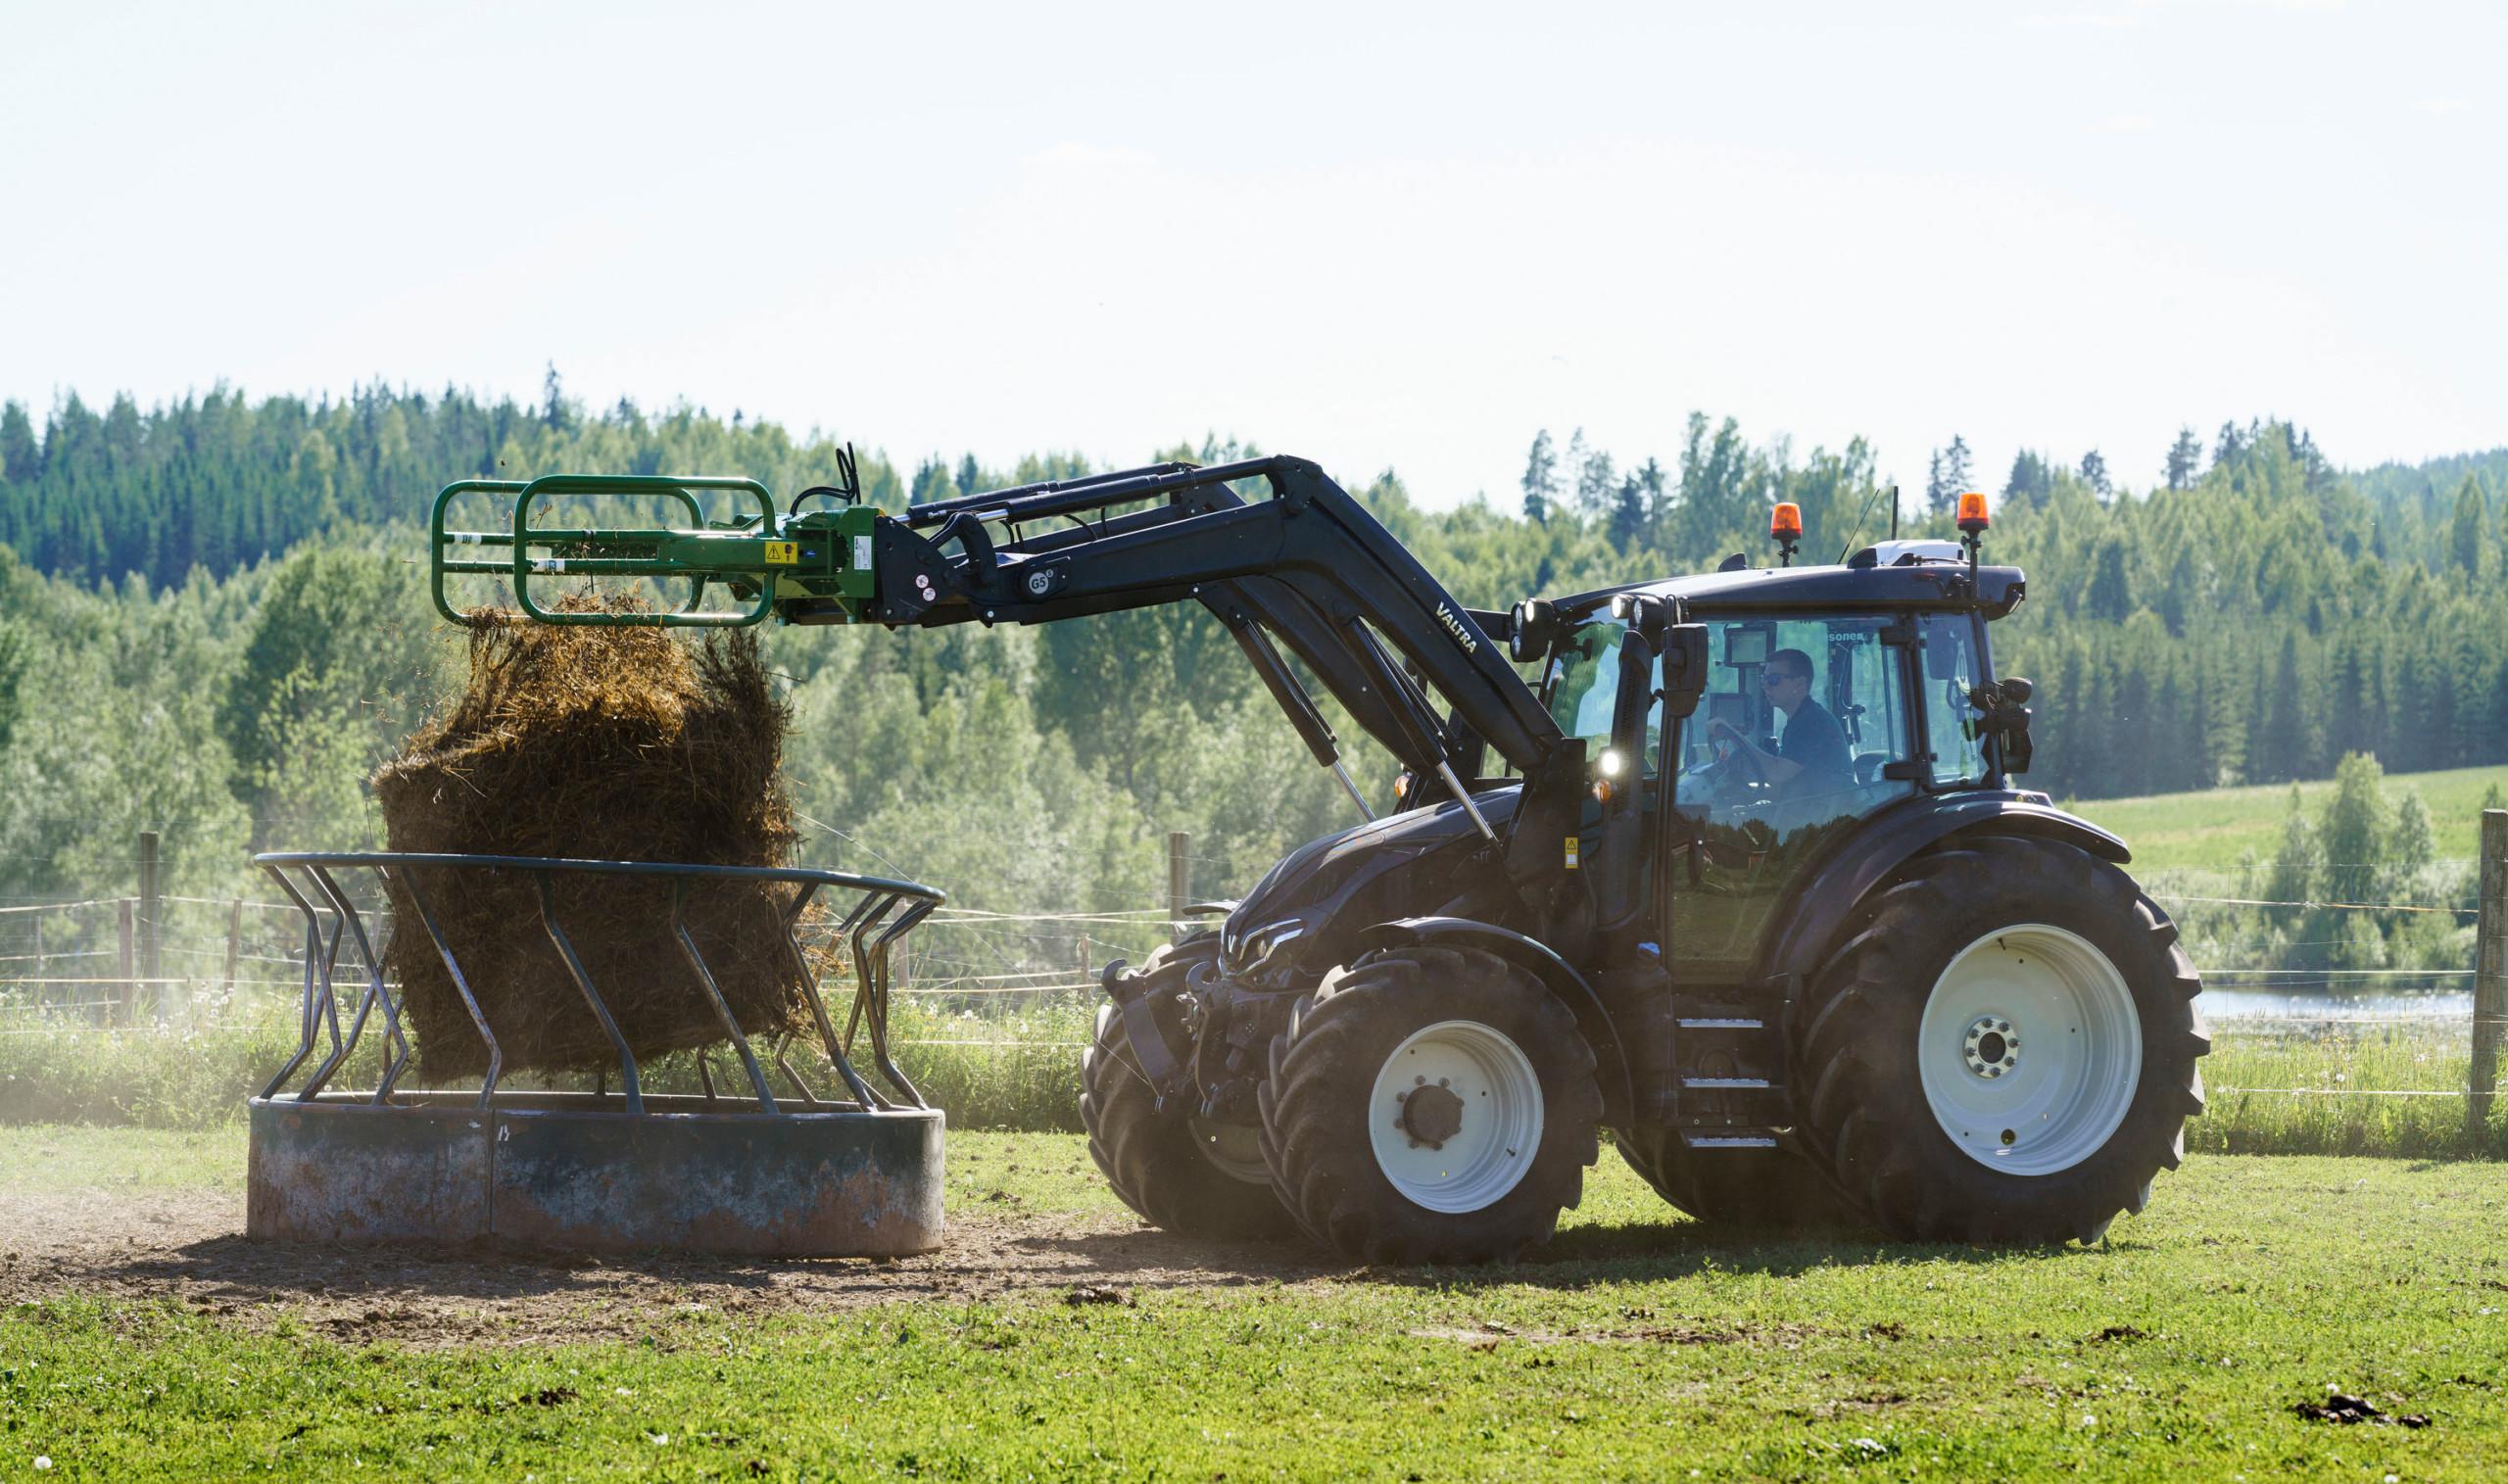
x: 2226, y: 1000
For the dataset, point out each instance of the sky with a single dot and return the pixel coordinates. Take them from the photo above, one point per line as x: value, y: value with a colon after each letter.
x: 1380, y: 236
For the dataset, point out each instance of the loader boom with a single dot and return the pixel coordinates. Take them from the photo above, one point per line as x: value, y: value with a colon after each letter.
x: 1302, y: 566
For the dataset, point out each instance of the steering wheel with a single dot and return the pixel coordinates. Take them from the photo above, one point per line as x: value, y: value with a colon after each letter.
x: 1736, y: 776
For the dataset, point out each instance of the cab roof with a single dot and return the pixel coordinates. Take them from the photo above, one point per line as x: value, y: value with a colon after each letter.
x: 1888, y: 575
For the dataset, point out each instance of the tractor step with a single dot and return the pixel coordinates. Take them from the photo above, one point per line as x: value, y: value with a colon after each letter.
x: 1722, y: 1139
x: 1711, y: 1064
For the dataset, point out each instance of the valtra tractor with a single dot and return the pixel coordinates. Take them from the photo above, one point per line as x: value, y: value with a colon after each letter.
x: 1731, y: 865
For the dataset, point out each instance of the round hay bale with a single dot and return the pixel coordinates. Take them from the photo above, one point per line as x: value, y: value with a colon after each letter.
x: 602, y: 744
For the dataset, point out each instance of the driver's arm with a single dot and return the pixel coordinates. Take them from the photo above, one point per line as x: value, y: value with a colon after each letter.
x: 1773, y: 768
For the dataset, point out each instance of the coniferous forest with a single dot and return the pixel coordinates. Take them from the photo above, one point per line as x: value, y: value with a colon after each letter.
x: 213, y: 621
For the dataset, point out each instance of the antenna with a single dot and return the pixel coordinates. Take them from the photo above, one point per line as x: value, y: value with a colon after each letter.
x: 1866, y: 512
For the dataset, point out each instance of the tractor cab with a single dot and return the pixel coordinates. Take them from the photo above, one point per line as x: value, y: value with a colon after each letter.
x: 1832, y: 695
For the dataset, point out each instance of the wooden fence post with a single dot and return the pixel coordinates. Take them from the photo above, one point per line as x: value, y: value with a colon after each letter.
x: 126, y: 993
x: 2489, y: 974
x: 1179, y: 882
x: 152, y: 913
x: 234, y: 945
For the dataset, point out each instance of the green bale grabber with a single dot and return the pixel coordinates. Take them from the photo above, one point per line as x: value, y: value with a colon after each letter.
x: 759, y: 556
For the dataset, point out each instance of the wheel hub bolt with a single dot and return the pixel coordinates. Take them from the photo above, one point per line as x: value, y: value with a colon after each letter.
x: 1991, y: 1048
x: 1432, y: 1115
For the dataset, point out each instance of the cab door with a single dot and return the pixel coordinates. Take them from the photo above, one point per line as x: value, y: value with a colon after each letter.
x: 1744, y: 824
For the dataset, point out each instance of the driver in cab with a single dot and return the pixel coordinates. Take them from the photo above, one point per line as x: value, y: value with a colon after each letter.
x: 1812, y: 756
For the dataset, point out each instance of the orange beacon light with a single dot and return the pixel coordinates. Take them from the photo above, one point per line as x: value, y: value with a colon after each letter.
x: 1972, y: 512
x: 1785, y: 527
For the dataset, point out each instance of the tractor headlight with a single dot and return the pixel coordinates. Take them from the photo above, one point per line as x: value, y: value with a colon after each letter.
x: 1270, y: 938
x: 1611, y: 763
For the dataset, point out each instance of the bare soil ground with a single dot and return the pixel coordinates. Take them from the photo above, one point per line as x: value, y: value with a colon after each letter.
x: 187, y: 1247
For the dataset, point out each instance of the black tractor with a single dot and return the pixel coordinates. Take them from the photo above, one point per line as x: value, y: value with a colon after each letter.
x: 1730, y: 865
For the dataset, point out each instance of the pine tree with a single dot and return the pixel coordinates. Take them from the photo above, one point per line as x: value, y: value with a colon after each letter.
x: 2231, y: 444
x: 2183, y: 457
x: 1541, y: 479
x: 2108, y: 596
x: 1628, y: 517
x: 2464, y: 532
x: 20, y: 457
x: 969, y: 475
x: 1948, y: 477
x: 932, y: 482
x: 553, y: 402
x: 2031, y: 480
x: 2093, y: 473
x: 1597, y: 483
x: 1654, y: 482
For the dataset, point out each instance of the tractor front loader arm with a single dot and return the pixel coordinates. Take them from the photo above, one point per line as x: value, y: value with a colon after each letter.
x: 1304, y: 567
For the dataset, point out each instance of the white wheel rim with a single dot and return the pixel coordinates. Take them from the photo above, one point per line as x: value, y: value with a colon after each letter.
x: 1236, y: 1150
x: 1482, y: 1083
x: 2030, y: 1049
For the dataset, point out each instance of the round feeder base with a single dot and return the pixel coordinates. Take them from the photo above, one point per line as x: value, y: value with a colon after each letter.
x: 579, y: 1172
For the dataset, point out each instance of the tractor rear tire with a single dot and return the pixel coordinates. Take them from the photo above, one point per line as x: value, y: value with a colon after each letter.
x: 1430, y: 1105
x: 1775, y: 1189
x: 2005, y: 1049
x: 1178, y: 1171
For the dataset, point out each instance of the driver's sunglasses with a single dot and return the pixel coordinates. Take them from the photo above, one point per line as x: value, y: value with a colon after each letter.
x: 1771, y: 678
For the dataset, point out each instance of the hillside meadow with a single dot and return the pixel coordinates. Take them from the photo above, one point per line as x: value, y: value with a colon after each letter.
x: 2212, y: 829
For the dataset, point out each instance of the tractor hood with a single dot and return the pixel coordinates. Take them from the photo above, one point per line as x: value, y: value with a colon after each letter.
x: 1303, y: 915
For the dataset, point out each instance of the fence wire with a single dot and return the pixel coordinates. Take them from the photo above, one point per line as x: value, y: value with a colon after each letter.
x: 999, y: 980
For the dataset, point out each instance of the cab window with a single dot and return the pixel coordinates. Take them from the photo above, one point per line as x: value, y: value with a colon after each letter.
x: 1791, y: 742
x: 1951, y: 672
x: 1586, y: 686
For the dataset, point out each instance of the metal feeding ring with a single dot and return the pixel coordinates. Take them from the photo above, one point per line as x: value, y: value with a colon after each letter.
x: 1992, y: 1047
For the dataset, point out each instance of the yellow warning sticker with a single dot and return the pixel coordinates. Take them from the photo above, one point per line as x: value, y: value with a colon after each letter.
x: 783, y: 553
x: 1571, y: 852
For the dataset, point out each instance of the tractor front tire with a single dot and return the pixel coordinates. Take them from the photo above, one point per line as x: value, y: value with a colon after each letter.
x: 1179, y: 1171
x: 1430, y: 1105
x: 2005, y: 1049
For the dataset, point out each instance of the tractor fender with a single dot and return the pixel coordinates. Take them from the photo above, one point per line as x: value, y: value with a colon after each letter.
x: 1543, y: 963
x: 1832, y: 896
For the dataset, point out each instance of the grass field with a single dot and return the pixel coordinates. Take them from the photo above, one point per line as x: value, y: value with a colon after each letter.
x: 2208, y: 831
x: 2325, y: 1088
x: 1641, y: 1346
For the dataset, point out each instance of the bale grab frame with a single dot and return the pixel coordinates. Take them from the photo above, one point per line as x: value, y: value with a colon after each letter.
x: 870, y: 928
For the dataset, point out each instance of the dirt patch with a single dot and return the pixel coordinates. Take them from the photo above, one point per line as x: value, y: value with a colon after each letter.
x: 2338, y: 1407
x: 1704, y: 1332
x: 188, y: 1248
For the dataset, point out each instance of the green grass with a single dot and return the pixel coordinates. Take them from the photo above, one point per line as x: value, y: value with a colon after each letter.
x: 2209, y: 830
x: 1021, y: 1073
x: 1015, y: 1071
x: 1642, y: 1346
x: 2326, y: 1089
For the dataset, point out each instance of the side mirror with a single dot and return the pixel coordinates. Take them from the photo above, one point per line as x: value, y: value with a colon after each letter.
x: 2005, y: 705
x: 1625, y: 756
x: 1684, y: 649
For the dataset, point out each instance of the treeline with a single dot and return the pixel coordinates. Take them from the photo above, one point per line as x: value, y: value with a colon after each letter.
x: 214, y: 623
